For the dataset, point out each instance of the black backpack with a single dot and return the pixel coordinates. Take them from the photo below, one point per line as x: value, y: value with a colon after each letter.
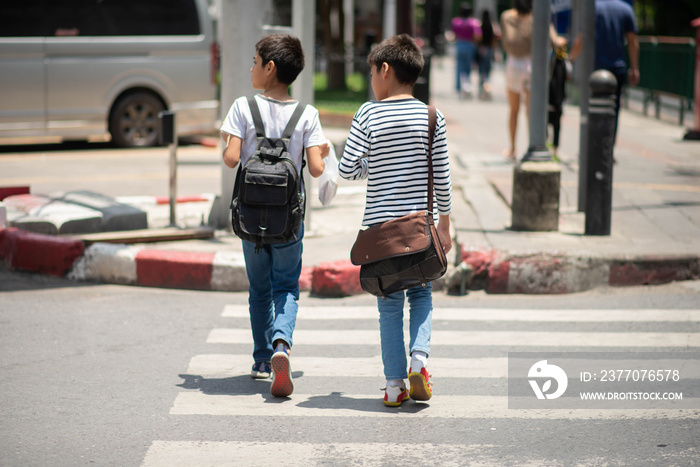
x: 268, y: 197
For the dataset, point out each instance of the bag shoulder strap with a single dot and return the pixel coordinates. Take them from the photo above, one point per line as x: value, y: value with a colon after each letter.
x: 294, y: 119
x: 257, y: 118
x: 260, y: 126
x: 432, y: 123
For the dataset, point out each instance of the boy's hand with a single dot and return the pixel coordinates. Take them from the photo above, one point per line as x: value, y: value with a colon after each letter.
x: 325, y: 149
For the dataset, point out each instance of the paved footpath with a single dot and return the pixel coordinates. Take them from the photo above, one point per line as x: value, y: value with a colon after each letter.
x: 655, y: 218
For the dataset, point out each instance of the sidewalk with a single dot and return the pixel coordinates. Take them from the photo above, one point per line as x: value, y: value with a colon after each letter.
x: 655, y: 220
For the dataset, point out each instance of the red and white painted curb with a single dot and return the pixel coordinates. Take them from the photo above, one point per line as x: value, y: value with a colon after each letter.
x: 537, y: 273
x: 547, y: 273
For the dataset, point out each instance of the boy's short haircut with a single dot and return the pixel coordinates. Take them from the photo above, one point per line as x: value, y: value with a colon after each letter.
x: 402, y: 54
x: 286, y: 52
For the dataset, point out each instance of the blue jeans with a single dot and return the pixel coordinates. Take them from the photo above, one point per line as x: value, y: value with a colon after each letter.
x: 273, y: 274
x: 466, y: 54
x: 420, y: 300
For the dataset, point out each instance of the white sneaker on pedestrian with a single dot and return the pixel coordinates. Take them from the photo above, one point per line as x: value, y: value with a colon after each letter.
x: 395, y: 395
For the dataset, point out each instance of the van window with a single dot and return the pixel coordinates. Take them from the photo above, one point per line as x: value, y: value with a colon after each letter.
x: 50, y: 18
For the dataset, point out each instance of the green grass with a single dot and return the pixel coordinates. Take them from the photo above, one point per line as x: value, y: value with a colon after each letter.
x: 340, y: 102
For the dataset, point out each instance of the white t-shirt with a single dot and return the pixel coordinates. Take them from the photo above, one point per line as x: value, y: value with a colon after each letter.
x: 275, y: 116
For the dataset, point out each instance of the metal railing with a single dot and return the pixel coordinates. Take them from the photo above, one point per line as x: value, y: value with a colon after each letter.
x: 667, y: 74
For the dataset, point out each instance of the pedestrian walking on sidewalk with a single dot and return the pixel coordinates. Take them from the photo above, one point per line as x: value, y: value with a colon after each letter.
x: 388, y: 146
x: 558, y: 75
x: 516, y: 37
x: 273, y: 270
x: 615, y: 24
x: 490, y: 35
x: 467, y: 33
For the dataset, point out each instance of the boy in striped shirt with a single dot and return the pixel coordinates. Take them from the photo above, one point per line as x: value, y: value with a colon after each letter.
x: 388, y: 146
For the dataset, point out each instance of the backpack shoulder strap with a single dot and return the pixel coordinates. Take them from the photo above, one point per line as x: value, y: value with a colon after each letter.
x: 296, y: 116
x: 257, y: 119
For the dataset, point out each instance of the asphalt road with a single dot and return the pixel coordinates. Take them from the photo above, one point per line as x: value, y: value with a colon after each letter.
x: 111, y: 375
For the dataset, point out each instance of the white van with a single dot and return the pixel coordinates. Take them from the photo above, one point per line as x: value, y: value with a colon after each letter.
x: 88, y: 69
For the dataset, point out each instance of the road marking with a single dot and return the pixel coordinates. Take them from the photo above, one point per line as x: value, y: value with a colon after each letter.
x: 338, y: 404
x: 235, y: 454
x: 480, y: 338
x: 488, y: 314
x: 234, y: 365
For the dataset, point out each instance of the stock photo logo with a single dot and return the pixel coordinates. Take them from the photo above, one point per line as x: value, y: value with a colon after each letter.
x: 545, y: 373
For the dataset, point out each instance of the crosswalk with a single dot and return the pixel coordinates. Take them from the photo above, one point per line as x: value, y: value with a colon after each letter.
x: 331, y: 383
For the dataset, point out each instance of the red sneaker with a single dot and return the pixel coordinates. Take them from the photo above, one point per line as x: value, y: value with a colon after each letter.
x: 282, y: 385
x: 421, y: 387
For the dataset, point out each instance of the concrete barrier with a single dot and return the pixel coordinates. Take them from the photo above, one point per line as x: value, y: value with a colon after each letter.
x: 115, y: 216
x: 336, y: 279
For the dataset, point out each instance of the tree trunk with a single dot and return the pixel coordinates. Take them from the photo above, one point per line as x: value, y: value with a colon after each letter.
x: 333, y: 34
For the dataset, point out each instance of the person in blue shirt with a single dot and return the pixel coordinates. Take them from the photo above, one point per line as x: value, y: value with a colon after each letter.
x: 615, y: 24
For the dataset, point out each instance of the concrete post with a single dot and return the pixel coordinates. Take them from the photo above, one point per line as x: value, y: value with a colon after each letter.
x: 585, y: 65
x: 303, y: 26
x: 601, y: 134
x: 537, y: 150
x: 536, y: 196
x: 241, y: 24
x: 537, y: 179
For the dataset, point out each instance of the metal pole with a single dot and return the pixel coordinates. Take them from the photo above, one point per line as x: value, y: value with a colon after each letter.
x: 169, y: 136
x: 537, y: 151
x: 585, y: 63
x: 303, y: 26
x: 389, y: 24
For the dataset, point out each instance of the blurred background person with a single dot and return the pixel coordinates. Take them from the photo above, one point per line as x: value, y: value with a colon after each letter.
x: 467, y: 34
x: 516, y: 37
x: 490, y: 35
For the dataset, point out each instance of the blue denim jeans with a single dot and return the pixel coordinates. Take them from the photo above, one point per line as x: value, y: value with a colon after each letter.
x: 466, y: 54
x: 420, y: 301
x: 273, y: 274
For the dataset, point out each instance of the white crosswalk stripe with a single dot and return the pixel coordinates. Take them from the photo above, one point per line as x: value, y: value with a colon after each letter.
x: 359, y: 328
x: 339, y: 404
x: 482, y: 338
x: 490, y: 314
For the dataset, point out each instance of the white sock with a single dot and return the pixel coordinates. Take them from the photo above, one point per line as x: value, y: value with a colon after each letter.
x: 418, y: 360
x: 399, y: 383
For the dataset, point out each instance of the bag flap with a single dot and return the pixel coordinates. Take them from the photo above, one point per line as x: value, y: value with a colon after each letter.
x: 397, y: 237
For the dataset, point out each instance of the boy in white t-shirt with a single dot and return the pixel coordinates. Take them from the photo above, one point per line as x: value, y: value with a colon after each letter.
x: 273, y: 273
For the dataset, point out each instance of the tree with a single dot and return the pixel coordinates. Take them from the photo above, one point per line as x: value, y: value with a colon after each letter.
x: 664, y: 18
x: 333, y: 19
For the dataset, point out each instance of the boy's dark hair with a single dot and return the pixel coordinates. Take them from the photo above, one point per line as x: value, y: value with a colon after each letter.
x: 402, y: 54
x: 286, y: 51
x: 523, y: 6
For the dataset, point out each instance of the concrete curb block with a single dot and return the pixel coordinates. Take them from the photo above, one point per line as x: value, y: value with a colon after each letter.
x: 494, y: 271
x: 33, y: 252
x: 336, y: 279
x: 552, y: 273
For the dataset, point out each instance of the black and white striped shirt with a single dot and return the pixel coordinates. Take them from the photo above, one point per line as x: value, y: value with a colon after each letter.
x: 388, y: 144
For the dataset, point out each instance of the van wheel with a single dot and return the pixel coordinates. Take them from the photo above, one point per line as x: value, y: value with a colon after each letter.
x: 134, y: 120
